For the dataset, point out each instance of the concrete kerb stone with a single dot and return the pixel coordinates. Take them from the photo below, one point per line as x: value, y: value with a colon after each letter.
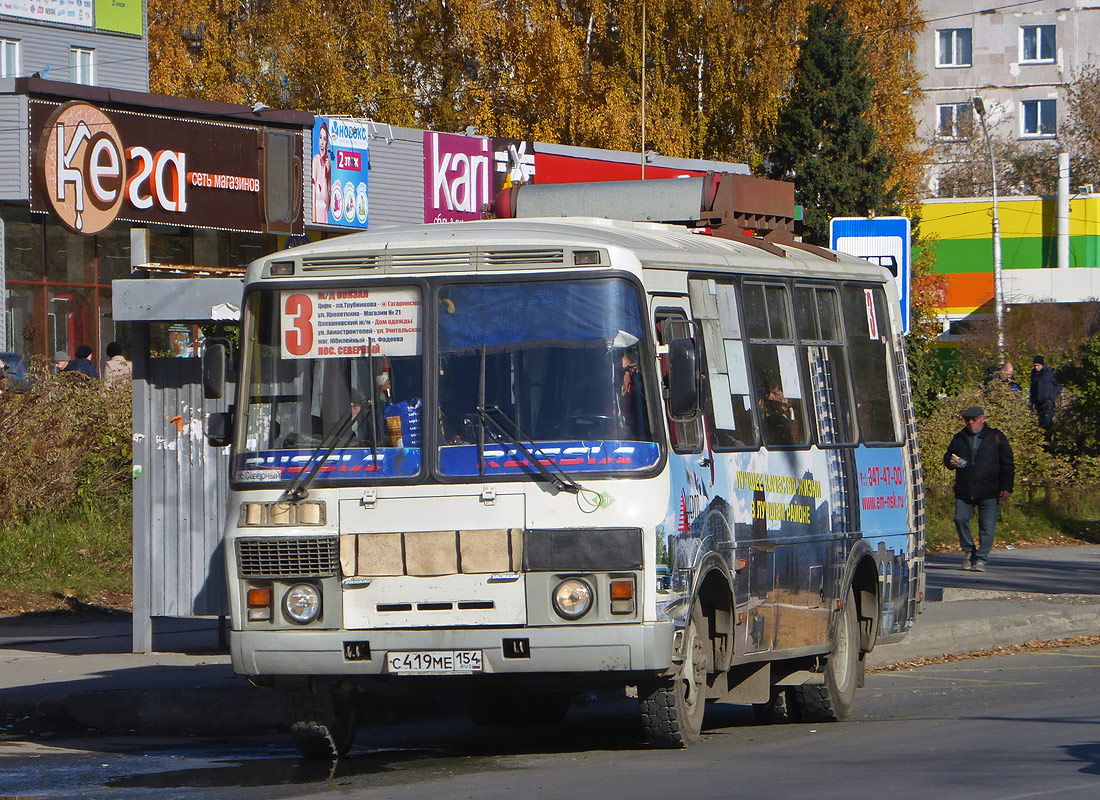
x: 969, y: 620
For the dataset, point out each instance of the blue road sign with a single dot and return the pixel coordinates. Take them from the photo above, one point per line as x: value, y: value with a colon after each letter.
x: 881, y: 240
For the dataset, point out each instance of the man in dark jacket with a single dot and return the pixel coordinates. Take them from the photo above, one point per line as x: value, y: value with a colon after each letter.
x: 81, y: 365
x: 984, y: 472
x: 1044, y: 391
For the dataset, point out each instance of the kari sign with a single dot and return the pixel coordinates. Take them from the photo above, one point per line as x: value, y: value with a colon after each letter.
x: 345, y: 323
x: 339, y: 173
x: 463, y: 174
x: 93, y: 166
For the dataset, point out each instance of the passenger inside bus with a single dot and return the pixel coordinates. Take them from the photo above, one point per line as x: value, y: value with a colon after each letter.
x: 780, y: 426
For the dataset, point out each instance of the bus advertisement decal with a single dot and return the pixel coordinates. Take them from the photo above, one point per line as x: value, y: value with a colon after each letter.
x: 573, y: 457
x: 344, y: 463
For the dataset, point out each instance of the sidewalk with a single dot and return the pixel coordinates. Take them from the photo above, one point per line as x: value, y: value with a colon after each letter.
x: 63, y: 670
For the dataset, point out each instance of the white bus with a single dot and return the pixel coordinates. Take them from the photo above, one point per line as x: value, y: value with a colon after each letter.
x: 462, y: 454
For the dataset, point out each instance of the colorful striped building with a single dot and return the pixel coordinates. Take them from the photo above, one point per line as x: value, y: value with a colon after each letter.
x: 1029, y: 247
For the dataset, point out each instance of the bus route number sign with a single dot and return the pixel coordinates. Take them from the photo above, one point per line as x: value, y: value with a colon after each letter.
x: 342, y: 323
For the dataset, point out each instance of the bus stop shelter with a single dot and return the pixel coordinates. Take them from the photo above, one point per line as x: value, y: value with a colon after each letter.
x: 179, y: 482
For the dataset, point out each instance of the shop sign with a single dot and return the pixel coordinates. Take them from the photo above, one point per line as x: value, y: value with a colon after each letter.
x: 65, y: 12
x: 463, y: 174
x: 120, y: 16
x: 339, y: 174
x: 93, y: 166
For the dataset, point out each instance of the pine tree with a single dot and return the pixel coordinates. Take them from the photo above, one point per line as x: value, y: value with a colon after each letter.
x: 824, y: 139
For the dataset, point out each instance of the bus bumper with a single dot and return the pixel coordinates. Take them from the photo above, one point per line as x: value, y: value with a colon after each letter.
x: 646, y: 647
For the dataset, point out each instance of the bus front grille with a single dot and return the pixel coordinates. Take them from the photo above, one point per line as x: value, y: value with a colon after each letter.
x: 307, y: 556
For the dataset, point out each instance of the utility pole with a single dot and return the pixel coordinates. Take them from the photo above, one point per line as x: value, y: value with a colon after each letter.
x: 998, y: 291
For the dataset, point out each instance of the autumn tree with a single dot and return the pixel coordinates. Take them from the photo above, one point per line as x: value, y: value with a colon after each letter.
x: 1082, y: 125
x: 889, y: 31
x: 824, y: 140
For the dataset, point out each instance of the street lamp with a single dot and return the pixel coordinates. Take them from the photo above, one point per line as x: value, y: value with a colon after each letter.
x: 998, y: 291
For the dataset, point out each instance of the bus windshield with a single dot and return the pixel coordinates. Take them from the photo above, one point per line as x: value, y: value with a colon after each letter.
x: 556, y: 363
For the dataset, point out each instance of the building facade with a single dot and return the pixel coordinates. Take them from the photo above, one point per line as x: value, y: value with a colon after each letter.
x: 1019, y: 58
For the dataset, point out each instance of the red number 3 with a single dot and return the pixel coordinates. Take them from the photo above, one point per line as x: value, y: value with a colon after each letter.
x: 299, y: 339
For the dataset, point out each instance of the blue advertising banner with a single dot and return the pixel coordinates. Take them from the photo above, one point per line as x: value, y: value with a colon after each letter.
x: 339, y: 172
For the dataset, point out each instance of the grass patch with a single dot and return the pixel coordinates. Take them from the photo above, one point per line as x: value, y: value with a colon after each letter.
x: 83, y: 555
x: 1066, y: 518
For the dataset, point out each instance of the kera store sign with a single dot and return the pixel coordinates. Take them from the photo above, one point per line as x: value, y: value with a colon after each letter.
x: 94, y: 166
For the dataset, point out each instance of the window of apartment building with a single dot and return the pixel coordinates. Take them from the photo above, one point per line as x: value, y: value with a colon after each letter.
x: 1039, y: 118
x: 9, y: 58
x: 1036, y: 44
x: 953, y: 120
x: 954, y: 47
x: 82, y: 65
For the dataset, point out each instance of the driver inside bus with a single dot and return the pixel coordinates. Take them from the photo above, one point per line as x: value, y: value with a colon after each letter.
x: 632, y: 409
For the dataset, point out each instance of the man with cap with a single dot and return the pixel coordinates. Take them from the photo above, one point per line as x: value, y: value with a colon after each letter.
x: 1044, y: 391
x: 984, y: 472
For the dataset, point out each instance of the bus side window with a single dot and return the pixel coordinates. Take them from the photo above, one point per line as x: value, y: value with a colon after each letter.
x: 728, y: 396
x: 817, y: 318
x: 780, y: 400
x: 687, y: 437
x: 869, y: 333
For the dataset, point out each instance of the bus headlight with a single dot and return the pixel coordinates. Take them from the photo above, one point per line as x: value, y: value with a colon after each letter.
x: 302, y: 603
x: 572, y: 598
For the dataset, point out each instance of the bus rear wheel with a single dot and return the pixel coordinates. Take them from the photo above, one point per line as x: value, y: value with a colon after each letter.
x: 672, y: 712
x: 833, y: 701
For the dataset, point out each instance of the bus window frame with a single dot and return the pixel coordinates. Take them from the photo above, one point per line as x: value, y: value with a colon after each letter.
x: 646, y: 355
x: 893, y: 378
x: 842, y: 342
x: 662, y: 314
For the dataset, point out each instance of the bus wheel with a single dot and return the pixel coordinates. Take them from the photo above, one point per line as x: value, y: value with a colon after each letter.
x: 325, y: 722
x: 834, y: 700
x: 773, y: 711
x: 672, y: 712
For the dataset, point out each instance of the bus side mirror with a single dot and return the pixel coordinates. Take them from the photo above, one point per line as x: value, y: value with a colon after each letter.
x: 219, y: 429
x: 214, y: 360
x: 683, y: 379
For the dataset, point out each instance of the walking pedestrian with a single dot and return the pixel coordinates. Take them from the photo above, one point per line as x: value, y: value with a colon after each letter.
x: 984, y: 473
x: 1044, y: 391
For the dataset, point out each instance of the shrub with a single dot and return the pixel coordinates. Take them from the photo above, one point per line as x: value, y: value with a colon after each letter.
x: 66, y: 442
x: 1006, y: 410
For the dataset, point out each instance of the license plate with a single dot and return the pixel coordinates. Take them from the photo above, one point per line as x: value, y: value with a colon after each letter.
x: 434, y: 662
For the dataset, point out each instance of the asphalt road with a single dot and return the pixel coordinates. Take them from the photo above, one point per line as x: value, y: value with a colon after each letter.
x: 1002, y: 728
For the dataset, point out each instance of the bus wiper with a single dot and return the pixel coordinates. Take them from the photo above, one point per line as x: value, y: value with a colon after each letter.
x: 562, y: 482
x: 299, y: 490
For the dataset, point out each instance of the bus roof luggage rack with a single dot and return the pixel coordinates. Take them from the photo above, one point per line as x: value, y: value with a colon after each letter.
x: 741, y: 208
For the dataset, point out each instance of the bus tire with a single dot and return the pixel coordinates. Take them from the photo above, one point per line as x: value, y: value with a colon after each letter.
x: 834, y: 700
x: 775, y: 710
x: 672, y: 711
x: 325, y: 724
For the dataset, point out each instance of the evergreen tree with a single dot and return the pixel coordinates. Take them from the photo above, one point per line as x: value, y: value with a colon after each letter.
x: 824, y: 139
